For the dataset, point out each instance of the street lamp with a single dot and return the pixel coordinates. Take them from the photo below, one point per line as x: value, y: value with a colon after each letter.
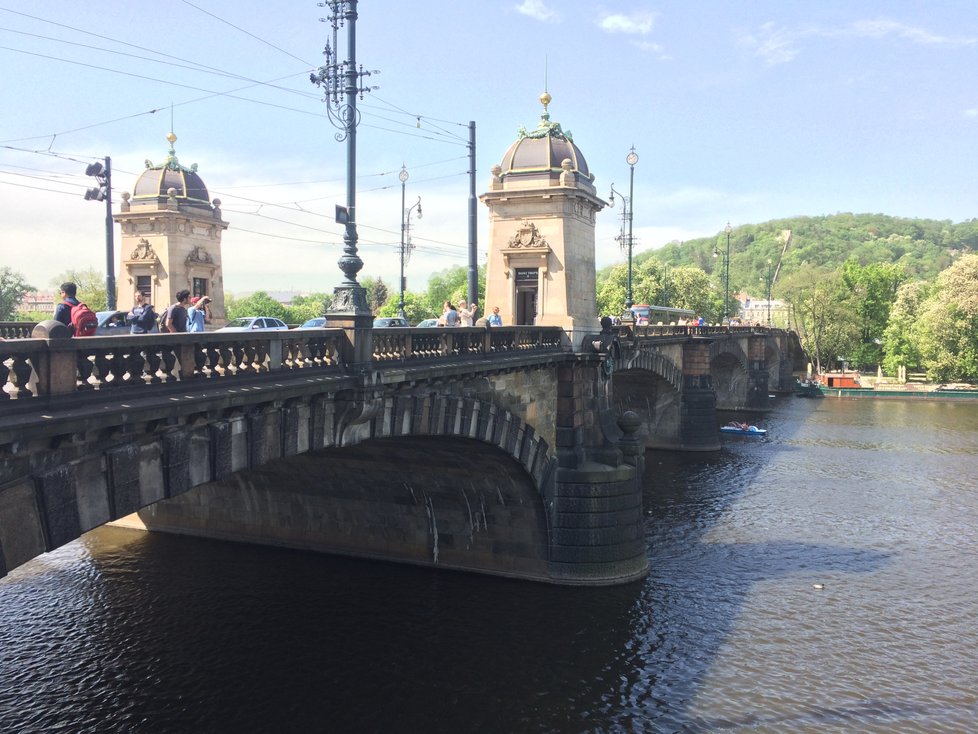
x: 726, y: 278
x: 103, y: 192
x: 405, y: 242
x: 769, y: 293
x: 628, y: 210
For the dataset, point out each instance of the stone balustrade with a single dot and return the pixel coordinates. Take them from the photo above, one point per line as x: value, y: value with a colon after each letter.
x: 32, y: 368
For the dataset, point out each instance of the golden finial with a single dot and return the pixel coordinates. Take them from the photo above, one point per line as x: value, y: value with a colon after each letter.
x: 545, y: 100
x: 171, y: 138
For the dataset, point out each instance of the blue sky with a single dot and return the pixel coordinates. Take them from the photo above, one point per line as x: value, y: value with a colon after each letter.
x: 739, y: 111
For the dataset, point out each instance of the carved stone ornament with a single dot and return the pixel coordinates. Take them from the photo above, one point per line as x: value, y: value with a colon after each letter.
x: 143, y: 251
x: 528, y: 237
x: 200, y: 255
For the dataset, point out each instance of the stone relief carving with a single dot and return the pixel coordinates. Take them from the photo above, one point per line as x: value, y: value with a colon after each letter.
x: 528, y: 237
x: 143, y: 251
x: 200, y: 255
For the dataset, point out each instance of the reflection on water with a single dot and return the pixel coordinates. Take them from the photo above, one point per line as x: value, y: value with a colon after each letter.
x: 129, y: 632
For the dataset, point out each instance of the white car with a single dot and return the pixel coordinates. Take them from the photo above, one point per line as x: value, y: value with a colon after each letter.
x: 255, y: 323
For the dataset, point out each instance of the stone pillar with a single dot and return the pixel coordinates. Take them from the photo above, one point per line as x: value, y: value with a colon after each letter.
x: 698, y: 421
x: 757, y: 374
x: 597, y: 529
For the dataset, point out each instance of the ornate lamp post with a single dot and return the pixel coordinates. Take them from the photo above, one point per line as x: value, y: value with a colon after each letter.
x: 342, y: 82
x: 769, y: 293
x: 628, y: 211
x: 405, y: 240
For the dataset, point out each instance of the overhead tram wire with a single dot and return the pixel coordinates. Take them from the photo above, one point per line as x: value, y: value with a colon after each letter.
x: 126, y: 43
x: 192, y: 66
x: 247, y: 33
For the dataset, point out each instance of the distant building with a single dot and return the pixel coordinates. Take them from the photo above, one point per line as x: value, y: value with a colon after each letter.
x: 171, y: 237
x: 37, y: 301
x: 755, y: 310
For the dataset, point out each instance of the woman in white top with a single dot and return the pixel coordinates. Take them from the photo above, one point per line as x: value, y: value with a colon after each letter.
x: 466, y: 313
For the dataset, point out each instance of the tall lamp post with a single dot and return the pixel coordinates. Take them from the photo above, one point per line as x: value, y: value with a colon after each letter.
x: 405, y: 224
x: 726, y: 277
x: 769, y: 293
x: 628, y: 211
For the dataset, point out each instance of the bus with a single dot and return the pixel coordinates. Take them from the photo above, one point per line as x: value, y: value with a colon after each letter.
x: 646, y: 314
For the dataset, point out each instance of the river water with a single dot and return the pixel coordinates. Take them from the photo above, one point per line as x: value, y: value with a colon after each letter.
x: 875, y: 502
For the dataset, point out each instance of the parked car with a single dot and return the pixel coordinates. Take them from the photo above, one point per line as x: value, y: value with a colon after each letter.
x: 316, y: 323
x: 427, y: 323
x: 113, y: 323
x: 255, y: 323
x: 393, y: 321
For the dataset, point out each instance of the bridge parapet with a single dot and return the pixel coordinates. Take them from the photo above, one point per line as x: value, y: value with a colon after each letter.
x: 48, y: 368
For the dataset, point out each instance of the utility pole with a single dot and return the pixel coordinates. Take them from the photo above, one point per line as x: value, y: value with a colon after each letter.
x: 103, y: 192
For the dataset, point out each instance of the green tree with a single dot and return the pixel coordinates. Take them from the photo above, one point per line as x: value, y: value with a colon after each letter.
x: 377, y: 293
x: 947, y: 330
x: 899, y: 342
x: 258, y: 303
x: 12, y: 290
x: 91, y: 287
x: 872, y: 291
x: 825, y: 328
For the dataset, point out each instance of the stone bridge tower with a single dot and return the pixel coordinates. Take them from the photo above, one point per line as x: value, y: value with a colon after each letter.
x: 542, y: 208
x: 171, y: 237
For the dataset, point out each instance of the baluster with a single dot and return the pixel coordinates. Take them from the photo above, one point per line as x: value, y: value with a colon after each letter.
x: 85, y: 368
x: 4, y: 374
x: 153, y: 361
x: 116, y: 368
x: 134, y: 368
x: 200, y: 362
x: 239, y: 358
x: 169, y: 359
x: 22, y: 370
x: 216, y: 363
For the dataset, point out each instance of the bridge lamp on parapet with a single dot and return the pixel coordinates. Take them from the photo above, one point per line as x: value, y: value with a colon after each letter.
x: 769, y: 263
x: 628, y: 211
x: 726, y: 274
x: 406, y: 246
x: 103, y: 192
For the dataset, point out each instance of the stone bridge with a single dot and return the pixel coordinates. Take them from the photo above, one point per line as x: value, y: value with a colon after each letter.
x: 500, y: 450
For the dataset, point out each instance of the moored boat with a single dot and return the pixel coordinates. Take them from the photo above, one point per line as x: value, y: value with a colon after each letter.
x: 807, y: 389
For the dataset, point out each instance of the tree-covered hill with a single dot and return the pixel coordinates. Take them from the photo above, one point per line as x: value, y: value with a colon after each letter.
x: 924, y: 247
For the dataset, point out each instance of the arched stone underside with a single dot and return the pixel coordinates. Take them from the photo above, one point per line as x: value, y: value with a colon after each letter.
x: 465, y: 506
x: 730, y: 381
x: 647, y: 357
x: 656, y: 401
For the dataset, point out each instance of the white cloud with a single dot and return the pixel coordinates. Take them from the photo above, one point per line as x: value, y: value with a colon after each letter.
x: 538, y: 10
x: 773, y: 43
x: 778, y: 44
x: 881, y: 28
x: 636, y: 23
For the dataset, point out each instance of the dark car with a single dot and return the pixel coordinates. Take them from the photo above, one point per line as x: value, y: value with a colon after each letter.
x: 393, y: 321
x: 113, y: 323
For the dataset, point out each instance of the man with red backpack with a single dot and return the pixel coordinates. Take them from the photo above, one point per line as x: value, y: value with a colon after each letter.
x: 79, y: 318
